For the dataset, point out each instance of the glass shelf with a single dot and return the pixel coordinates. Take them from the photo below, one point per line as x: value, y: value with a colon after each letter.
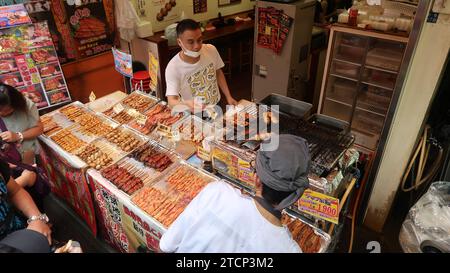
x: 390, y: 88
x: 338, y: 101
x: 346, y: 60
x: 370, y: 111
x: 380, y: 69
x: 343, y: 77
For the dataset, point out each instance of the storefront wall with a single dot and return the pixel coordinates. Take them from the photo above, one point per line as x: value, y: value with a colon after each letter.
x: 420, y: 84
x: 185, y: 9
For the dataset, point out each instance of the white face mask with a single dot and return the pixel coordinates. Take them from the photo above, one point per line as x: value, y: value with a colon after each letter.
x: 190, y: 53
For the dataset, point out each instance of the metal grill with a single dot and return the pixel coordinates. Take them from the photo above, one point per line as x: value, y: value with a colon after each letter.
x: 326, y: 145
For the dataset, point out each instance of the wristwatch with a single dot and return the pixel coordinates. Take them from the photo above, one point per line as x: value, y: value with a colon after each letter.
x: 41, y: 217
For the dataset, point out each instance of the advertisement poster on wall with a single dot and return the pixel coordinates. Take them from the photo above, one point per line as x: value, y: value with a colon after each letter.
x: 88, y: 26
x: 200, y: 6
x: 57, y: 14
x: 273, y: 28
x: 53, y: 13
x: 13, y: 15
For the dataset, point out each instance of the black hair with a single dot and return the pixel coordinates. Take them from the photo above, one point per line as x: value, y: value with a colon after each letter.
x: 272, y: 196
x: 187, y: 24
x: 10, y: 96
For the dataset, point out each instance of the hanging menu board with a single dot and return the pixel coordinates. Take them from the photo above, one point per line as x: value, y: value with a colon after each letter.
x: 28, y: 61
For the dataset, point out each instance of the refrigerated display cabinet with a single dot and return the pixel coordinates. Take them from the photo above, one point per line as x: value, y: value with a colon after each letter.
x: 359, y: 80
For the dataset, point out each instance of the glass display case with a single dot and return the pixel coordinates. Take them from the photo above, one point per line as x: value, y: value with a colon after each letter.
x: 359, y: 80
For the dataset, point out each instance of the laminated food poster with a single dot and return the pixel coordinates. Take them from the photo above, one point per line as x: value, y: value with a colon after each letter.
x: 123, y: 62
x: 13, y: 15
x: 53, y: 13
x: 200, y: 6
x: 273, y: 28
x: 89, y: 28
x: 153, y: 67
x: 28, y: 61
x: 56, y: 14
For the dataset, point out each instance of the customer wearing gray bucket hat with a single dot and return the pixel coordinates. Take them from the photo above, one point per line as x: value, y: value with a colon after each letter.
x: 285, y: 170
x: 223, y: 219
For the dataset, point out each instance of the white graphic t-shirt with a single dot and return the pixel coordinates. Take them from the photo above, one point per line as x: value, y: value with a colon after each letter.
x: 195, y: 80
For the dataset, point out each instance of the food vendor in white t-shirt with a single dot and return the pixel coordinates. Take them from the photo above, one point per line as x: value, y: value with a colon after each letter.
x: 194, y: 75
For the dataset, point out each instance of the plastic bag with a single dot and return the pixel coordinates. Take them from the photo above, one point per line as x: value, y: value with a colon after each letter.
x: 427, y: 226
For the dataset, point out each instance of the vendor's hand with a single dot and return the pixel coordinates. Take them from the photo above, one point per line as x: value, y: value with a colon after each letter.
x: 9, y: 136
x: 232, y: 101
x: 42, y: 228
x: 195, y: 107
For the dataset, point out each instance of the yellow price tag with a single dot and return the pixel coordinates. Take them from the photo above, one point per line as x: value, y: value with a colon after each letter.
x: 268, y: 30
x: 92, y: 96
x: 320, y: 206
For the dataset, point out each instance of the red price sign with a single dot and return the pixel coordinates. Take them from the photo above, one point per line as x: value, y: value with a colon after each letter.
x: 320, y: 205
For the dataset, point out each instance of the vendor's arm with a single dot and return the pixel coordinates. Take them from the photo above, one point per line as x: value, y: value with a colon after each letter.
x: 175, y: 101
x: 23, y: 202
x: 222, y: 82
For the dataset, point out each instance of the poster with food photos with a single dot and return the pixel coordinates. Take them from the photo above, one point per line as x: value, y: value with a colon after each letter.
x: 13, y: 15
x: 89, y: 28
x: 55, y: 14
x: 200, y: 6
x: 52, y: 11
x: 273, y: 28
x: 29, y: 62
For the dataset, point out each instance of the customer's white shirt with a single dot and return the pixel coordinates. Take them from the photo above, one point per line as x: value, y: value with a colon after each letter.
x: 195, y: 80
x: 221, y: 219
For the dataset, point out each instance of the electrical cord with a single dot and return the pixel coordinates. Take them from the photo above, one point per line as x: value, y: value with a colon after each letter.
x: 355, y: 207
x: 424, y: 148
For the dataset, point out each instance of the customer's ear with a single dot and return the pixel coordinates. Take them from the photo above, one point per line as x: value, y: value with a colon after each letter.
x: 258, y: 186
